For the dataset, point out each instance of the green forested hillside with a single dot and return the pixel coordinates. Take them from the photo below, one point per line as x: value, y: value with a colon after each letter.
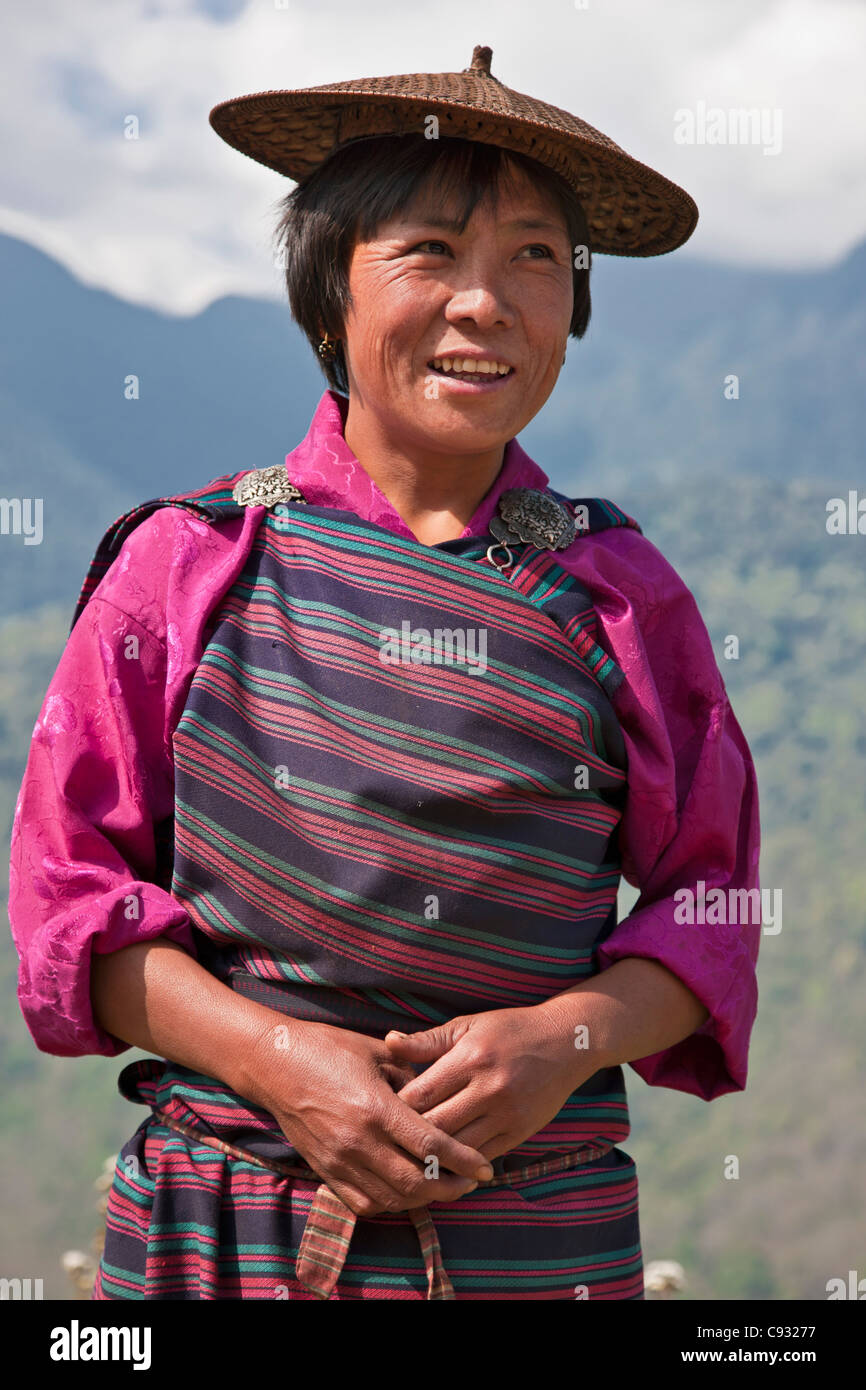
x: 762, y: 566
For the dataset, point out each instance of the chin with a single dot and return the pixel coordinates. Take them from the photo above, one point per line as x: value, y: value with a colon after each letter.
x: 461, y: 436
x: 489, y: 419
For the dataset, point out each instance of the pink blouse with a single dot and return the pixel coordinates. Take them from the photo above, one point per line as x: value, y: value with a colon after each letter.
x: 99, y: 774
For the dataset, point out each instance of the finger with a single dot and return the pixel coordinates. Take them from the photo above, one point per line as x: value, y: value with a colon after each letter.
x: 494, y: 1145
x: 428, y: 1044
x: 424, y: 1141
x: 418, y: 1047
x: 497, y: 1146
x: 410, y: 1185
x: 364, y: 1201
x: 399, y: 1187
x: 479, y: 1132
x: 443, y: 1079
x: 397, y: 1074
x: 384, y: 1181
x: 459, y: 1110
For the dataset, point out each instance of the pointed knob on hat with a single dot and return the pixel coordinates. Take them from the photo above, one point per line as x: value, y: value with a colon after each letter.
x: 481, y: 56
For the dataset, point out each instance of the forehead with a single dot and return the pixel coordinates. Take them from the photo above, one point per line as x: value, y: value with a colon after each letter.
x: 514, y: 194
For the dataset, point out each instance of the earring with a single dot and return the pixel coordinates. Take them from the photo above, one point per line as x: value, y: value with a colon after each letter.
x: 328, y: 348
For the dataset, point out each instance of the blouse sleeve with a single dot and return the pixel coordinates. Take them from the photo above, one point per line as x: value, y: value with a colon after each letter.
x: 97, y: 783
x: 691, y: 816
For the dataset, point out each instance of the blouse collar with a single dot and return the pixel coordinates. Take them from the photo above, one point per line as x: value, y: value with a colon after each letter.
x: 329, y: 475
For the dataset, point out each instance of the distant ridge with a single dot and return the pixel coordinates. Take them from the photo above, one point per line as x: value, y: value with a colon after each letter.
x: 640, y: 401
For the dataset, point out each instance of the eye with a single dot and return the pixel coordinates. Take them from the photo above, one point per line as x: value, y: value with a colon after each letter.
x: 440, y: 247
x: 539, y: 246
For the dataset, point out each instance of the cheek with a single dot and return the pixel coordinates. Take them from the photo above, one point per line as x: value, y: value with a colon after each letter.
x: 391, y: 313
x: 547, y: 307
x: 387, y: 290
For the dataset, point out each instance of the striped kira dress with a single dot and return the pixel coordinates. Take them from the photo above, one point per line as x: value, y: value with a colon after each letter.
x: 371, y: 835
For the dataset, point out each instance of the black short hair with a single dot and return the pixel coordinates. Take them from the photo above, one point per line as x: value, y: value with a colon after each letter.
x: 366, y: 182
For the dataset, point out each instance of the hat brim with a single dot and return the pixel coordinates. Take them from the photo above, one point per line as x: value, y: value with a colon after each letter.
x: 631, y: 209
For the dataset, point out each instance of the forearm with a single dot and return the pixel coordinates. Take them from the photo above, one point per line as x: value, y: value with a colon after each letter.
x: 633, y: 1009
x: 155, y: 996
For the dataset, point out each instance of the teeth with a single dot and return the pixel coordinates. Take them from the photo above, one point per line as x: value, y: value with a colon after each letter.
x: 482, y: 366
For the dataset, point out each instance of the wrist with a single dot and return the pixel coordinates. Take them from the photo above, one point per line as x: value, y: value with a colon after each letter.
x: 260, y: 1058
x: 580, y: 1033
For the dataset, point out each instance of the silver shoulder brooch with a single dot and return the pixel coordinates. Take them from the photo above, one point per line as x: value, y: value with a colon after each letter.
x: 529, y: 516
x: 264, y: 487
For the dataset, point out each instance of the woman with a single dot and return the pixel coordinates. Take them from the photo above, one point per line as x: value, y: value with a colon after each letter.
x: 330, y: 795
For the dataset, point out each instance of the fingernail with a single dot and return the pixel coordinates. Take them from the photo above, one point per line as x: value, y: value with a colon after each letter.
x: 392, y: 1033
x: 484, y: 1174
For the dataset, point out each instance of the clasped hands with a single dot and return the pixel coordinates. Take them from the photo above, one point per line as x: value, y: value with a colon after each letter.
x: 387, y: 1139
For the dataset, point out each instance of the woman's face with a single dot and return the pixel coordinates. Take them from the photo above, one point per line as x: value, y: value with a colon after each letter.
x: 500, y: 291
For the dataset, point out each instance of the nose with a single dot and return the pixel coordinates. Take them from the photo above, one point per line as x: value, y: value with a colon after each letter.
x: 480, y: 298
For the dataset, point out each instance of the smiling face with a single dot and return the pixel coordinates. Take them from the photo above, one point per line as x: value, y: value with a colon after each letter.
x: 499, y: 293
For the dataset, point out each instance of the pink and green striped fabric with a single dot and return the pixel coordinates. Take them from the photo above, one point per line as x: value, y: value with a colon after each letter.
x: 378, y: 842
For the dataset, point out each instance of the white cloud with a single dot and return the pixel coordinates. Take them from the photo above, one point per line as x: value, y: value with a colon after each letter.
x: 177, y: 218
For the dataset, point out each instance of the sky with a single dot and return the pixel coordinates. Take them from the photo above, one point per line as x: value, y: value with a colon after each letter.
x: 176, y: 218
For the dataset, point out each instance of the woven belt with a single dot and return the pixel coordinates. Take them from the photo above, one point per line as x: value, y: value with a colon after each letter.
x: 331, y: 1224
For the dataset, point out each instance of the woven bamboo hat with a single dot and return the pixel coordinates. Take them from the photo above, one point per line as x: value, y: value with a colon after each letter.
x: 631, y: 210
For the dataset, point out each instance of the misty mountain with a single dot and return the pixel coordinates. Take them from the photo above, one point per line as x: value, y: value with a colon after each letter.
x: 640, y: 403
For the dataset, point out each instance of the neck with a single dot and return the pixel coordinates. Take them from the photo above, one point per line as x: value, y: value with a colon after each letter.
x: 435, y: 493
